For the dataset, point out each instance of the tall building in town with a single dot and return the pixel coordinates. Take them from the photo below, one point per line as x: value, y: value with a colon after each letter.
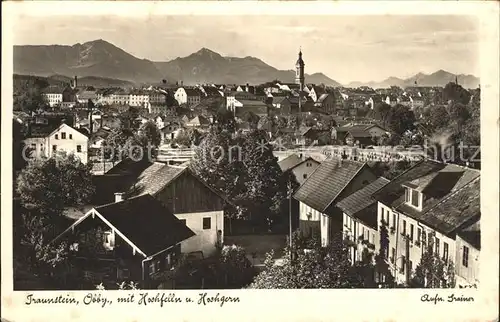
x: 299, y: 71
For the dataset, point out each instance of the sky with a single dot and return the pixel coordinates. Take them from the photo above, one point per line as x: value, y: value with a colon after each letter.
x: 345, y: 48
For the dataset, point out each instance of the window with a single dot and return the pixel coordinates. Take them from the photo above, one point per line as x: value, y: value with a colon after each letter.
x: 437, y: 246
x: 54, y: 148
x: 419, y: 233
x: 308, y: 164
x: 183, y: 221
x: 411, y: 232
x: 304, y: 176
x: 411, y: 266
x: 78, y: 148
x: 71, y: 136
x: 465, y: 256
x: 63, y: 135
x: 404, y: 228
x: 152, y: 268
x: 394, y: 220
x: 109, y: 240
x: 424, y: 239
x: 403, y: 264
x: 393, y: 255
x: 57, y: 136
x: 207, y: 223
x: 414, y: 198
x: 407, y: 195
x: 445, y: 251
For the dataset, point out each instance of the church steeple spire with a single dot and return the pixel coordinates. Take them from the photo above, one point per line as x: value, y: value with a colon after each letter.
x: 299, y: 71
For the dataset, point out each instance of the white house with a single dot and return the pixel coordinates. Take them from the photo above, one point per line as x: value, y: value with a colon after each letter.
x: 63, y: 138
x: 139, y: 98
x: 332, y: 181
x: 54, y: 98
x: 188, y: 96
x: 426, y: 206
x: 300, y: 167
x: 191, y: 201
x: 360, y: 220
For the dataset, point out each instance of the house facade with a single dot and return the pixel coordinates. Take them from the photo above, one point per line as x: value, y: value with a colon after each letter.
x: 53, y: 98
x: 188, y: 96
x: 301, y: 168
x: 360, y: 226
x: 137, y: 239
x: 191, y: 201
x: 468, y: 249
x: 326, y: 103
x: 332, y: 181
x: 63, y: 138
x: 424, y: 210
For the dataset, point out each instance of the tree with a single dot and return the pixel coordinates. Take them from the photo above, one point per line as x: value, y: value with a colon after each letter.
x: 235, y: 267
x: 380, y: 112
x: 281, y: 122
x: 150, y: 134
x: 38, y: 231
x: 251, y: 118
x: 217, y: 160
x: 264, y: 192
x: 48, y: 186
x: 400, y: 119
x: 224, y: 118
x: 433, y: 271
x: 459, y: 114
x: 456, y: 93
x: 18, y: 135
x: 320, y: 267
x: 30, y: 99
x: 293, y: 122
x: 437, y: 117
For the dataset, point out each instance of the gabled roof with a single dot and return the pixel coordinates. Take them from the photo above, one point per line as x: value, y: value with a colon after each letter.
x: 158, y: 176
x: 192, y: 92
x: 322, y: 98
x: 154, y: 179
x: 292, y: 161
x: 199, y: 120
x: 359, y: 204
x: 279, y: 99
x: 40, y: 130
x: 327, y: 182
x: 438, y: 182
x: 146, y: 223
x: 455, y: 210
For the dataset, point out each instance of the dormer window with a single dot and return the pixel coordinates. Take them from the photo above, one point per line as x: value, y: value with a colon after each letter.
x: 413, y: 198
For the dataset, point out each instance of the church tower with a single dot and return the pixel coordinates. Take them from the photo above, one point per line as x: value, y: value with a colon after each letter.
x: 299, y: 71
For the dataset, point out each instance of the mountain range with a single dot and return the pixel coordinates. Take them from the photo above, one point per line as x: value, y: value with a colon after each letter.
x: 103, y: 60
x: 439, y: 78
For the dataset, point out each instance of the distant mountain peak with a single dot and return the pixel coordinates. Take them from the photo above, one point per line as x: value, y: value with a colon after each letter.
x: 205, y: 51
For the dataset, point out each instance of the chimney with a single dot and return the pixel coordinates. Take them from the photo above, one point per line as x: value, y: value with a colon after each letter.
x: 118, y: 196
x: 247, y: 88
